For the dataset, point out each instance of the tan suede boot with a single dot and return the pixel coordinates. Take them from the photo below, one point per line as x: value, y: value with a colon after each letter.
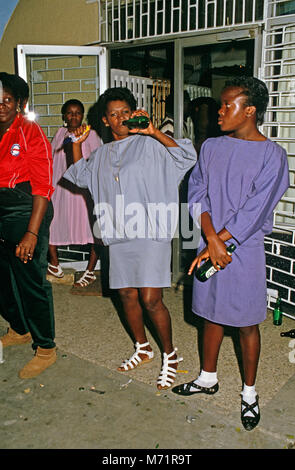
x: 12, y: 337
x: 43, y: 359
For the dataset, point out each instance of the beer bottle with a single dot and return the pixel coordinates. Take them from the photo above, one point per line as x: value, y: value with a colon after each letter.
x: 277, y: 313
x: 207, y: 269
x: 137, y: 122
x: 290, y: 333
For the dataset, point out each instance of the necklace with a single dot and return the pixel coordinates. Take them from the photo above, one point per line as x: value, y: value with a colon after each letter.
x: 118, y: 166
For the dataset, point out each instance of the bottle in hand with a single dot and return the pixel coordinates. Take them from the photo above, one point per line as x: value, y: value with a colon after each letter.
x: 137, y: 122
x: 206, y: 270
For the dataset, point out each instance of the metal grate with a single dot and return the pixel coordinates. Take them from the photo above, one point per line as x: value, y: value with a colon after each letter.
x: 278, y: 71
x: 126, y: 20
x: 137, y: 85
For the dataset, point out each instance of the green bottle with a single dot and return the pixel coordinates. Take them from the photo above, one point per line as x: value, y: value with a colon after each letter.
x: 207, y: 269
x: 137, y: 122
x: 277, y: 313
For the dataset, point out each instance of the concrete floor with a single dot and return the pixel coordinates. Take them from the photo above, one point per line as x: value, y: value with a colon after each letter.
x: 82, y: 402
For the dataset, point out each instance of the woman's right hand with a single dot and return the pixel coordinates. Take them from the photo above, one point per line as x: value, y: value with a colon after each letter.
x: 81, y: 133
x: 26, y: 247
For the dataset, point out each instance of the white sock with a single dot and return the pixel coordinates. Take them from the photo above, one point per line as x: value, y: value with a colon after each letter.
x: 249, y: 396
x: 206, y: 379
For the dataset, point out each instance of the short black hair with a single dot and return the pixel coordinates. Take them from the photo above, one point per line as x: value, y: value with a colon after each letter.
x: 70, y: 103
x: 16, y: 85
x: 169, y: 102
x: 116, y: 94
x: 98, y: 110
x: 256, y: 92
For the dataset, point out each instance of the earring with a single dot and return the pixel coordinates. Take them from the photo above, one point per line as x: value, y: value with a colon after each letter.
x: 18, y: 110
x: 65, y: 124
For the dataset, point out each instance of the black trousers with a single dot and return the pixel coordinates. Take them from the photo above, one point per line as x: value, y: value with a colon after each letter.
x: 25, y: 295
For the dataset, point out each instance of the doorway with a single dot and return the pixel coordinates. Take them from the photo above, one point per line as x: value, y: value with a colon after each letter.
x: 205, y: 70
x: 56, y: 74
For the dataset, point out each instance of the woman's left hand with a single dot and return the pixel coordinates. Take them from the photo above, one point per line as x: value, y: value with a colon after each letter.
x: 202, y: 256
x: 26, y: 247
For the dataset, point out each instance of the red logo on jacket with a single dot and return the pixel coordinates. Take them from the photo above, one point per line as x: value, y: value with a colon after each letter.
x: 15, y: 150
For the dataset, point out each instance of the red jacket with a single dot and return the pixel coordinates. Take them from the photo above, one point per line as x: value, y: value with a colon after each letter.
x: 25, y: 155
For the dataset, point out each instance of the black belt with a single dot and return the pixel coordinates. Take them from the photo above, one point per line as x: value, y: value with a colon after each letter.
x: 25, y: 186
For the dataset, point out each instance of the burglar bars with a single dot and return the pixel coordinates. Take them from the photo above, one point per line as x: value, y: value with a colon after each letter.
x: 126, y: 20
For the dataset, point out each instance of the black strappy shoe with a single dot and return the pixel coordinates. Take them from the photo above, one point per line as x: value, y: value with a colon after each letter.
x: 250, y: 422
x: 186, y: 389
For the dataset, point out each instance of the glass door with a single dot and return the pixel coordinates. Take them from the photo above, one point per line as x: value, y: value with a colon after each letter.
x: 202, y: 66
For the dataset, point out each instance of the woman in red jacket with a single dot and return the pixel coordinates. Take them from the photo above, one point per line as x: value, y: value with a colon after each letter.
x: 25, y: 215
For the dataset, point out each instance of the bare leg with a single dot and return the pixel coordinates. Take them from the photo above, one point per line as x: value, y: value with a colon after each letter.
x: 250, y: 345
x: 134, y: 317
x: 53, y: 258
x: 88, y: 277
x: 159, y: 315
x: 92, y: 259
x: 213, y: 336
x: 206, y: 383
x: 54, y: 269
x: 133, y: 313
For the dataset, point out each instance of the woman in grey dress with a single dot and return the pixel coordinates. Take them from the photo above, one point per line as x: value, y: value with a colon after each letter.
x: 239, y: 179
x: 133, y: 179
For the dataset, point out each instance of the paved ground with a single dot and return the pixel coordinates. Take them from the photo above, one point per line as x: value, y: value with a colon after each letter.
x: 82, y: 402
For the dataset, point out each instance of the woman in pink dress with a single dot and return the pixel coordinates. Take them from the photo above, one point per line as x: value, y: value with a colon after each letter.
x: 72, y: 223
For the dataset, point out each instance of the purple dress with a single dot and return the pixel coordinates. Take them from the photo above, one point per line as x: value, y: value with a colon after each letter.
x: 71, y: 224
x: 239, y: 183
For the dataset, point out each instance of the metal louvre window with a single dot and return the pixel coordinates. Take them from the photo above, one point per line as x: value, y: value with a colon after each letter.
x: 125, y: 20
x: 278, y: 71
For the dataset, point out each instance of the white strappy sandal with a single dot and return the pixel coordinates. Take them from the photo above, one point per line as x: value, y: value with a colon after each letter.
x: 87, y: 278
x: 135, y: 360
x: 59, y: 273
x: 168, y: 374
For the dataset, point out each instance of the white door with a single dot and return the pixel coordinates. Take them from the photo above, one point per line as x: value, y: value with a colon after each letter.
x: 54, y: 75
x: 58, y: 73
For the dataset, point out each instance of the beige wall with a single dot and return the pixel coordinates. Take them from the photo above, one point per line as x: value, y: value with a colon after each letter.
x: 54, y: 80
x: 54, y: 22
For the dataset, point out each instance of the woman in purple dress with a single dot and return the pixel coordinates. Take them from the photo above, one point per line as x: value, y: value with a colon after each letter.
x: 239, y: 179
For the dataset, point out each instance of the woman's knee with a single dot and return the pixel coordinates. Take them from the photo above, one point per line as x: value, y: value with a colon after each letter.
x: 252, y: 330
x: 152, y: 300
x: 128, y: 295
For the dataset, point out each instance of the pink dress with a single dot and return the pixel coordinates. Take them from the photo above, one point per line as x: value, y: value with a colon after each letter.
x: 73, y: 206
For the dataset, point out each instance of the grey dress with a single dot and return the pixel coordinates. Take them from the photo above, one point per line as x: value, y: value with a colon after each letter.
x: 134, y: 184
